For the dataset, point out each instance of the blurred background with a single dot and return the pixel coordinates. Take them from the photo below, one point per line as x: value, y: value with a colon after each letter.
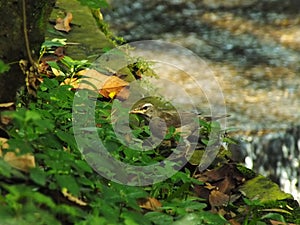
x: 252, y: 47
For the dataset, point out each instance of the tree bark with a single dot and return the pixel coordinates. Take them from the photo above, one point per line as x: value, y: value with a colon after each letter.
x: 12, y: 39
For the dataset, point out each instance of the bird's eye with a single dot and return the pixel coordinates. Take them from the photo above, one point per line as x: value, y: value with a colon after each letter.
x: 145, y: 107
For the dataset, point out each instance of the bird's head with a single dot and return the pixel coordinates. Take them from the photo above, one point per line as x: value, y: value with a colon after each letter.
x: 147, y: 110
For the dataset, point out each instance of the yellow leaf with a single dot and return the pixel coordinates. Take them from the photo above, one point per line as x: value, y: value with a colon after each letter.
x: 6, y: 105
x: 72, y: 198
x: 112, y: 94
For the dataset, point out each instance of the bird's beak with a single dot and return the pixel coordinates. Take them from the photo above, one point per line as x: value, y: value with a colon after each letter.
x: 136, y: 111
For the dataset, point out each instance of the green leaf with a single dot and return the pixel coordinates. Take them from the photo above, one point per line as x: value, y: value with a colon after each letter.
x: 69, y: 182
x: 38, y: 176
x: 159, y: 218
x: 93, y: 219
x: 274, y: 216
x: 82, y: 166
x: 94, y: 4
x: 134, y: 218
x: 5, y: 169
x: 32, y: 115
x: 3, y: 67
x: 54, y: 43
x: 54, y: 65
x: 41, y: 198
x: 49, y: 84
x: 67, y: 138
x: 110, y: 210
x: 69, y: 210
x: 201, y: 218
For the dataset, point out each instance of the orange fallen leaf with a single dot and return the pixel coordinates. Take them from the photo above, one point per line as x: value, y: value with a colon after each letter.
x: 149, y: 204
x: 114, y: 86
x: 64, y: 24
x: 108, y: 86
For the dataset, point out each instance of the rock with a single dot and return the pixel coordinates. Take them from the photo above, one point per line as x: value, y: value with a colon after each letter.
x: 214, y: 4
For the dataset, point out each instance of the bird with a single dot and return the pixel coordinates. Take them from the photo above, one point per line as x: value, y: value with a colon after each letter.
x: 193, y: 134
x: 160, y: 119
x: 171, y: 117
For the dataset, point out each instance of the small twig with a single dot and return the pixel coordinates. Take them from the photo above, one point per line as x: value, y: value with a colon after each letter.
x: 26, y: 34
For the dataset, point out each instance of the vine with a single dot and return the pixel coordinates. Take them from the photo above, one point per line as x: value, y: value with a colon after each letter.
x: 26, y: 33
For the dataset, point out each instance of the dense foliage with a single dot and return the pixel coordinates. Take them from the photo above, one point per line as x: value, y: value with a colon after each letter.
x: 62, y: 188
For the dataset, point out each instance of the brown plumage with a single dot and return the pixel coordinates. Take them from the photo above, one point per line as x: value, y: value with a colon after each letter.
x: 159, y: 120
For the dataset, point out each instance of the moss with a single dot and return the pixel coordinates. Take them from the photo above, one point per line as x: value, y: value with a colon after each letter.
x: 263, y: 189
x: 248, y: 173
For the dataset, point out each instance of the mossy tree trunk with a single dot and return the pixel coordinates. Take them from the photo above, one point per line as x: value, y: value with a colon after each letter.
x: 12, y: 39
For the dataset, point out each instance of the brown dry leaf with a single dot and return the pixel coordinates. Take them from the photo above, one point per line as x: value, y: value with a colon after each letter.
x: 92, y: 79
x: 226, y: 185
x: 234, y: 222
x: 149, y: 204
x: 208, y: 186
x: 64, y: 24
x: 274, y: 222
x: 60, y: 52
x: 43, y: 66
x: 21, y: 162
x: 9, y: 106
x: 83, y: 72
x: 114, y: 86
x: 107, y: 86
x: 3, y: 144
x: 220, y: 183
x: 201, y: 191
x: 218, y: 198
x: 5, y: 120
x: 226, y: 177
x: 71, y: 81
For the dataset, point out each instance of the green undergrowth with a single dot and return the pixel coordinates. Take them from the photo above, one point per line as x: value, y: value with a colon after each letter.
x: 64, y: 189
